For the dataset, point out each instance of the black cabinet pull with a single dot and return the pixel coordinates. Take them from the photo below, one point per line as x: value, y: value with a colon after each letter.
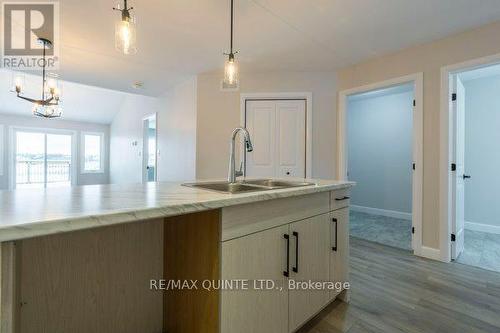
x: 334, y: 220
x: 296, y: 268
x: 287, y: 272
x: 342, y: 199
x: 467, y: 177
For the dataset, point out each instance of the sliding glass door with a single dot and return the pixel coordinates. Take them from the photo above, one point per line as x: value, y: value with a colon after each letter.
x: 42, y: 159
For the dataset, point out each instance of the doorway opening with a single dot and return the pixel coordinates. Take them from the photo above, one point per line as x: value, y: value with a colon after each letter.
x: 149, y: 156
x: 475, y: 119
x: 42, y: 159
x: 380, y: 148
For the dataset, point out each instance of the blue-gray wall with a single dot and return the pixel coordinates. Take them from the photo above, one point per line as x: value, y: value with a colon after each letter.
x: 380, y: 151
x: 482, y: 150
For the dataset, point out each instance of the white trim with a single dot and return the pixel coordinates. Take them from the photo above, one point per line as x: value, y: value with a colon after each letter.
x: 430, y: 253
x: 446, y: 148
x: 418, y: 141
x: 382, y: 212
x: 102, y: 136
x: 287, y: 95
x: 144, y: 143
x: 3, y: 149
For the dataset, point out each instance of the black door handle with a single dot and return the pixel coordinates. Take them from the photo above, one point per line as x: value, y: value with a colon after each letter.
x: 342, y: 199
x: 334, y: 247
x: 296, y: 268
x: 287, y: 272
x: 466, y: 177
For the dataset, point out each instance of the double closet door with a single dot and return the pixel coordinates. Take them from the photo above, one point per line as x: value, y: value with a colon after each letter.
x: 278, y: 131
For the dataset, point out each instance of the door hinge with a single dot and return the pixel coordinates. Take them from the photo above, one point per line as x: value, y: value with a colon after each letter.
x: 454, y: 97
x: 412, y: 230
x: 414, y: 103
x: 453, y: 237
x: 453, y: 167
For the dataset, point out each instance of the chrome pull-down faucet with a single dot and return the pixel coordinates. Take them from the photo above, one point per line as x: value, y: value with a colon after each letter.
x: 233, y: 173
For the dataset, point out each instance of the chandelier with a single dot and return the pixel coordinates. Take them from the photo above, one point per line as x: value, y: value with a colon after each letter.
x: 48, y: 106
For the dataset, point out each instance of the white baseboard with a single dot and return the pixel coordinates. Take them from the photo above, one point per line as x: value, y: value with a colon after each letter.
x: 430, y: 253
x: 382, y: 212
x: 492, y: 229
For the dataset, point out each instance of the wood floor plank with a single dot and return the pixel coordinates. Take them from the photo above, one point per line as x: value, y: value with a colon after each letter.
x: 394, y: 291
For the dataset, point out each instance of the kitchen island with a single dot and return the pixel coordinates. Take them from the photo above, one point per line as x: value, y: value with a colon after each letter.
x: 108, y: 258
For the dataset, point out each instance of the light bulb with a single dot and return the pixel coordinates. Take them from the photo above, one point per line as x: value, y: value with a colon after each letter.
x: 125, y: 36
x: 231, y: 71
x: 17, y: 82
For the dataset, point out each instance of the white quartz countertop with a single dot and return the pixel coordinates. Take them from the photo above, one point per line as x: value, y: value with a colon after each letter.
x: 26, y: 213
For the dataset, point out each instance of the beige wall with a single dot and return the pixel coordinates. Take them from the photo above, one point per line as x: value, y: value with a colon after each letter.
x: 429, y: 59
x: 219, y: 113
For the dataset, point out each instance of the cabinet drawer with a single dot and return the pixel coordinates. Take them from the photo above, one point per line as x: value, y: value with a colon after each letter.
x: 340, y: 199
x: 238, y: 221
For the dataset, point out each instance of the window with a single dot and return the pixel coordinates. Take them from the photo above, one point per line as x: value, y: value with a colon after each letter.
x: 42, y: 159
x: 92, y: 160
x: 2, y: 150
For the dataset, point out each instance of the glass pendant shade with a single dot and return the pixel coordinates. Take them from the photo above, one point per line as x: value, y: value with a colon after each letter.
x: 231, y: 73
x: 52, y: 86
x: 18, y: 82
x: 126, y: 36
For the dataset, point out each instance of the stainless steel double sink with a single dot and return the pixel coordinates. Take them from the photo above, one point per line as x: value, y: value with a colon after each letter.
x: 245, y: 186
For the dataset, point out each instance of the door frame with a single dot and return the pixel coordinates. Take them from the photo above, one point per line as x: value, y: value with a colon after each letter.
x: 417, y: 184
x: 144, y: 143
x: 12, y: 147
x: 447, y: 146
x: 307, y: 96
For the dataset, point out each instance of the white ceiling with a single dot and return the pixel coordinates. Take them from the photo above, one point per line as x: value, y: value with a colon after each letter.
x: 179, y: 38
x: 79, y: 102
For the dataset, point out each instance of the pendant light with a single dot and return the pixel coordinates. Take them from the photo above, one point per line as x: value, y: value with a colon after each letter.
x: 231, y: 75
x: 125, y: 30
x: 48, y: 106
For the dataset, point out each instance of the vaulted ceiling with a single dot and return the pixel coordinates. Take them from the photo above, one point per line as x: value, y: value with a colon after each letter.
x: 178, y: 38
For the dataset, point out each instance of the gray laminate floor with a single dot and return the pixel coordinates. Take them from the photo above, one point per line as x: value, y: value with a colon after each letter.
x: 481, y: 249
x: 395, y: 291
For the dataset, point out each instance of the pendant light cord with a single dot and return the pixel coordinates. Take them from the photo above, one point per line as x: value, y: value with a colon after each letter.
x: 232, y: 23
x: 43, y: 73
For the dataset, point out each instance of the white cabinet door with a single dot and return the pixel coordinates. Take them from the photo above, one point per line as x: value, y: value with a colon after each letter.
x: 278, y: 131
x: 310, y: 240
x: 261, y: 123
x: 257, y: 256
x: 339, y: 248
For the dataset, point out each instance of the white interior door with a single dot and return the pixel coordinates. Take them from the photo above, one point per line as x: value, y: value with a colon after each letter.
x: 291, y: 138
x: 278, y: 131
x: 458, y: 106
x: 261, y: 123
